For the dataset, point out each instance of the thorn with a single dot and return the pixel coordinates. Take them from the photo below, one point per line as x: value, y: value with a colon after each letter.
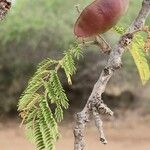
x: 78, y: 8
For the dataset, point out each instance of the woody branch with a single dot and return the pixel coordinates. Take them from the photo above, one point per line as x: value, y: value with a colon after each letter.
x: 95, y: 105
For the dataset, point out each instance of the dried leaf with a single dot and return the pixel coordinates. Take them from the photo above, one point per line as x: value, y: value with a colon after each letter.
x: 147, y: 43
x: 5, y: 5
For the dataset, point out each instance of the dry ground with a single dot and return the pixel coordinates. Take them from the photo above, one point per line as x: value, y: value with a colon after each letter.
x: 122, y: 135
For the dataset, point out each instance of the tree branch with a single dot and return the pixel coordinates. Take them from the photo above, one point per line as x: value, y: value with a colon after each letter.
x: 95, y: 105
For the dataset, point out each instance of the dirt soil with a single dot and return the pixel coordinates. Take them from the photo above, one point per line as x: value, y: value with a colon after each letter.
x: 122, y: 135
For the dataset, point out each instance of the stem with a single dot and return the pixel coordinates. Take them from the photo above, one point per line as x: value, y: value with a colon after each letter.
x: 95, y: 105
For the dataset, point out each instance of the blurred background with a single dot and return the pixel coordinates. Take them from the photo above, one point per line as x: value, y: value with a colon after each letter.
x: 34, y: 30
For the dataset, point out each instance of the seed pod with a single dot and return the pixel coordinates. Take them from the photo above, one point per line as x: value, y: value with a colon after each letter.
x: 5, y: 5
x: 99, y: 16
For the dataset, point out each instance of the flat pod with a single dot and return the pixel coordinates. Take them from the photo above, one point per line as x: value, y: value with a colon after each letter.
x: 98, y: 17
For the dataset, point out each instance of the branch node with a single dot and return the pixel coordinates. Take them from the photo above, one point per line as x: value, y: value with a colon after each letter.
x: 126, y: 39
x: 107, y: 71
x: 103, y: 109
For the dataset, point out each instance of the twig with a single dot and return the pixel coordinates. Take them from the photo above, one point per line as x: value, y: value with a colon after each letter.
x: 95, y: 105
x: 77, y: 8
x: 99, y: 125
x: 102, y: 43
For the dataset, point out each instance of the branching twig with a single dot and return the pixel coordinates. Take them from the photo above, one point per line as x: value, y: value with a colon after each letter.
x: 95, y: 105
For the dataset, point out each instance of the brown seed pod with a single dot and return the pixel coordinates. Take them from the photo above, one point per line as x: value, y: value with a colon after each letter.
x: 99, y: 16
x: 5, y: 5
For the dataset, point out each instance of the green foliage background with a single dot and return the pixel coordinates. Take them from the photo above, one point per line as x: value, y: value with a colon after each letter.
x: 31, y: 20
x: 35, y: 30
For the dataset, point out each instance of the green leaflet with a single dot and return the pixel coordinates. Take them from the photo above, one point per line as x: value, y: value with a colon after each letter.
x: 45, y: 89
x: 58, y: 113
x: 77, y: 51
x: 59, y: 93
x: 47, y: 116
x: 68, y: 65
x: 35, y: 84
x: 38, y: 136
x: 48, y: 134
